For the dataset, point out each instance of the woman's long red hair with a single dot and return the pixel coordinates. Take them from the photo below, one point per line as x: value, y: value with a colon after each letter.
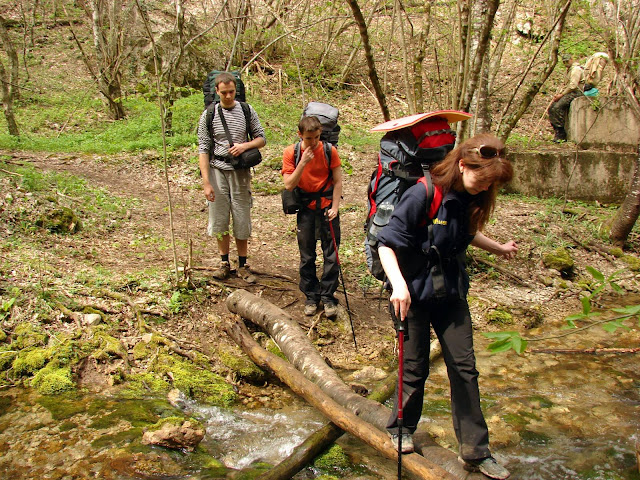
x: 497, y: 171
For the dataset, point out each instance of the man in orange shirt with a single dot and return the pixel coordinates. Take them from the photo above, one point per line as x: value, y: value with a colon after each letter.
x: 313, y: 167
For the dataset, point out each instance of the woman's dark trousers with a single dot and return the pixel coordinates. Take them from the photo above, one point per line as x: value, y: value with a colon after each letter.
x: 452, y: 324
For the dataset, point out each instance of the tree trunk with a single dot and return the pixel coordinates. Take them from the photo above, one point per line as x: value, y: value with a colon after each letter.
x: 371, y: 63
x: 9, y: 81
x: 343, y: 418
x: 304, y: 356
x: 628, y: 212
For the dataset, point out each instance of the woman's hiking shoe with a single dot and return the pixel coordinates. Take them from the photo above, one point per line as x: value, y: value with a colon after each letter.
x: 407, y: 442
x: 487, y: 466
x: 222, y: 272
x: 310, y: 309
x: 331, y: 310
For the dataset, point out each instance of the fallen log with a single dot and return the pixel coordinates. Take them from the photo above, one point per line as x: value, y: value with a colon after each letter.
x: 305, y: 357
x: 340, y: 416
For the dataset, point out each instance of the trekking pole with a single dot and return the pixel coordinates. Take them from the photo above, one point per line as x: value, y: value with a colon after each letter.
x: 400, y: 420
x: 344, y: 288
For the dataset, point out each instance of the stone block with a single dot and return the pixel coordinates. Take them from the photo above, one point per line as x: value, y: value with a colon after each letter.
x: 602, y: 122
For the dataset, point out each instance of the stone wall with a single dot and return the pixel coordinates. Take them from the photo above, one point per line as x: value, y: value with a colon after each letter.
x: 602, y: 122
x: 584, y: 174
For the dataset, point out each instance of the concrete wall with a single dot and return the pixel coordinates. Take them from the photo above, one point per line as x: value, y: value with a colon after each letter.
x: 610, y: 124
x: 598, y: 175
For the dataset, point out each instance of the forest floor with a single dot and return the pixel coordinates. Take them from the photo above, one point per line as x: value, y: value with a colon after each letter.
x: 127, y: 251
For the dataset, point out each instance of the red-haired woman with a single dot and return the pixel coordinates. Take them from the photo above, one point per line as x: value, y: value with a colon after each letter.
x: 424, y: 260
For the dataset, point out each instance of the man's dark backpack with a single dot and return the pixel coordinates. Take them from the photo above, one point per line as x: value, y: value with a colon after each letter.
x: 327, y: 114
x: 209, y: 87
x: 404, y: 159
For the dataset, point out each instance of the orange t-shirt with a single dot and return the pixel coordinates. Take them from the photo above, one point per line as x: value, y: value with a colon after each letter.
x: 315, y: 173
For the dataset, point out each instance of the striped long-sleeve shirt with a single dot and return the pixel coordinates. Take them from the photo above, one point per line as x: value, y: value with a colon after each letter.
x: 237, y: 127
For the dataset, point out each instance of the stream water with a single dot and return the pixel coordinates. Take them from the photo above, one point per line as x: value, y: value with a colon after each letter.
x: 551, y: 416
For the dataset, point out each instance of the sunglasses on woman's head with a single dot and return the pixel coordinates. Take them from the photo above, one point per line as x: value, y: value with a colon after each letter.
x: 486, y: 151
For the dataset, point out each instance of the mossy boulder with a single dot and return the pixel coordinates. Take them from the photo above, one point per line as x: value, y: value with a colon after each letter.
x: 30, y: 360
x: 559, y: 260
x: 195, y: 382
x: 499, y: 317
x: 242, y: 366
x: 53, y: 381
x: 140, y: 385
x: 26, y: 335
x: 7, y: 356
x: 106, y: 347
x: 632, y: 262
x: 333, y: 459
x: 62, y: 220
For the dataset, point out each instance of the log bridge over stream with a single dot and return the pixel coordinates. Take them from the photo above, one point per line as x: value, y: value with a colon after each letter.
x: 308, y: 375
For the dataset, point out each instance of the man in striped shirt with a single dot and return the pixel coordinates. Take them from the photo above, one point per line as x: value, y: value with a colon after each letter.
x: 228, y: 191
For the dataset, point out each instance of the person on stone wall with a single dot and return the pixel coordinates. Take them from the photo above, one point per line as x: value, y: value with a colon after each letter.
x: 559, y: 107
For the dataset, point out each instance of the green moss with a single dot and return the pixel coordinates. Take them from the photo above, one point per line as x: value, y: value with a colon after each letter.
x: 500, y: 317
x: 242, y: 366
x: 616, y: 252
x: 117, y: 439
x: 200, y: 384
x: 632, y: 262
x: 543, y: 402
x: 559, y: 259
x: 175, y: 421
x: 26, y: 335
x: 141, y: 385
x: 6, y: 357
x: 106, y: 347
x: 63, y: 406
x: 273, y: 347
x: 66, y: 426
x: 515, y: 419
x: 332, y: 459
x: 138, y: 414
x: 30, y: 360
x: 432, y: 408
x: 53, y: 381
x: 3, y: 336
x: 535, y: 438
x: 62, y: 220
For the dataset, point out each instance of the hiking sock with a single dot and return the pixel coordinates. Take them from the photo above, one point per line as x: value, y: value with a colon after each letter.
x: 242, y: 261
x: 225, y: 258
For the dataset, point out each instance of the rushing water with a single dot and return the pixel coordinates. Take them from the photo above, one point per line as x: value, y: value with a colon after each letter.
x: 551, y: 416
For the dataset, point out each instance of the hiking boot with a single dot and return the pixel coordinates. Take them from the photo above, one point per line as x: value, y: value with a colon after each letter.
x: 331, y: 310
x: 560, y: 136
x: 487, y: 466
x: 245, y: 274
x: 310, y: 309
x: 222, y: 272
x: 407, y: 442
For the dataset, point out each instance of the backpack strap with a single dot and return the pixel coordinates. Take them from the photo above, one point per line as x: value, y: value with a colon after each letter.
x: 309, y: 197
x: 434, y: 200
x: 434, y: 195
x: 210, y: 116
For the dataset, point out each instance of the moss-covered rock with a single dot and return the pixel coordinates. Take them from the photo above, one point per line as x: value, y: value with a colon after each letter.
x: 200, y: 384
x: 243, y: 367
x: 499, y: 317
x: 332, y: 459
x: 140, y: 385
x: 27, y: 335
x: 53, y: 381
x: 632, y: 262
x: 62, y: 220
x: 7, y: 356
x: 3, y: 336
x: 30, y: 360
x: 105, y: 346
x: 560, y: 260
